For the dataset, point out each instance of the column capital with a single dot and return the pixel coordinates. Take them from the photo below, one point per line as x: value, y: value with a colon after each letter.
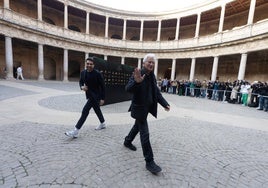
x: 8, y: 36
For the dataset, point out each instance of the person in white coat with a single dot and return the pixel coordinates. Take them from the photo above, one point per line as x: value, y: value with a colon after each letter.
x: 19, y: 73
x: 245, y: 87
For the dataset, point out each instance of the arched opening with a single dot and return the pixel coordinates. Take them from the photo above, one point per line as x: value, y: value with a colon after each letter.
x: 135, y: 38
x: 48, y: 20
x: 115, y: 36
x: 74, y: 28
x: 73, y: 70
x: 49, y: 69
x: 171, y: 38
x: 167, y: 73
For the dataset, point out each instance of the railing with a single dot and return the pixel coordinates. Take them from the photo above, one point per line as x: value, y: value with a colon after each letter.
x: 253, y: 99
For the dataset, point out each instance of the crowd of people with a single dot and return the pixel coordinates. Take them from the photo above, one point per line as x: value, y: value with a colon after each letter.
x: 237, y: 92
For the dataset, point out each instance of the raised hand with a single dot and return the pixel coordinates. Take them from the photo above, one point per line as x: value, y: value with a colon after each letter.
x: 137, y: 75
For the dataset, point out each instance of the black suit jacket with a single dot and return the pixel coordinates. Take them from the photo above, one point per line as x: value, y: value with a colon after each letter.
x: 96, y: 85
x: 138, y: 107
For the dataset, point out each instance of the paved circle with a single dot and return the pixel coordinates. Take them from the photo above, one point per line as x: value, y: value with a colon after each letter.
x: 192, y: 151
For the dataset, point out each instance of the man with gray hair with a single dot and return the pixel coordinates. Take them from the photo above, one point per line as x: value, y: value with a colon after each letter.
x: 142, y: 84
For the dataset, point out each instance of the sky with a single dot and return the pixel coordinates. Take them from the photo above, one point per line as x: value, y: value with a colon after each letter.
x: 146, y: 5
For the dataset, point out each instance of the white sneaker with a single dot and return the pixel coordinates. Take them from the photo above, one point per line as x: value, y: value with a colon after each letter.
x: 72, y: 133
x: 101, y: 126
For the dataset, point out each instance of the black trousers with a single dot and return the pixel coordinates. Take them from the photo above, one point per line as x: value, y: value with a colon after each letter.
x: 90, y: 103
x: 142, y: 127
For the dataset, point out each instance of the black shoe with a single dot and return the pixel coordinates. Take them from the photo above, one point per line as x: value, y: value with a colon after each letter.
x: 130, y: 146
x: 152, y: 167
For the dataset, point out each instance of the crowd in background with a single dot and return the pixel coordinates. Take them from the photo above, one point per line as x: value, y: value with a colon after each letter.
x: 237, y: 92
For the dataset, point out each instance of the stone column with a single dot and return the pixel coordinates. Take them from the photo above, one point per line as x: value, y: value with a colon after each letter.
x: 124, y: 29
x: 214, y: 68
x: 139, y: 63
x: 106, y: 26
x: 122, y: 60
x: 173, y: 69
x: 87, y: 23
x: 242, y: 67
x: 39, y: 10
x: 159, y: 30
x: 141, y: 32
x: 9, y: 57
x: 65, y: 65
x: 177, y: 29
x: 105, y: 57
x: 65, y: 16
x: 251, y: 11
x: 86, y: 56
x: 40, y: 62
x: 222, y: 18
x: 192, y: 69
x: 156, y: 68
x: 197, y: 25
x: 6, y: 5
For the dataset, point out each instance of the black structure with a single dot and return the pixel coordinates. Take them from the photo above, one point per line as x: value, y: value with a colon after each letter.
x: 115, y: 77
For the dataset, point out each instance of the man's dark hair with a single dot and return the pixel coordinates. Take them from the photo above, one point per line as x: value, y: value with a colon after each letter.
x: 91, y: 59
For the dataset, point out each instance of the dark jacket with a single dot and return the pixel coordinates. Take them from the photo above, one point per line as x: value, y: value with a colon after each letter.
x: 138, y: 107
x: 95, y: 82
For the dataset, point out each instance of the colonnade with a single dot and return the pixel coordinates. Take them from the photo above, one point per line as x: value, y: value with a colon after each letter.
x: 9, y: 63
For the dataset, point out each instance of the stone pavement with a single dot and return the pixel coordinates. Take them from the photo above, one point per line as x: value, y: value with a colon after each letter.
x: 199, y: 143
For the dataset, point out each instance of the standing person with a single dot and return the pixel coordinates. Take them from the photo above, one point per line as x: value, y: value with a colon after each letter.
x: 204, y: 89
x: 174, y: 85
x: 19, y: 73
x: 164, y: 85
x: 245, y: 86
x: 146, y: 95
x: 92, y: 82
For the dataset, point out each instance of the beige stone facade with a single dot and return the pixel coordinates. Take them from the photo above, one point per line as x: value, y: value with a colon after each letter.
x: 225, y: 40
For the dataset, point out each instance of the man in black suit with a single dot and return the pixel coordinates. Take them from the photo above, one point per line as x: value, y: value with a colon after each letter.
x: 92, y: 83
x: 146, y: 95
